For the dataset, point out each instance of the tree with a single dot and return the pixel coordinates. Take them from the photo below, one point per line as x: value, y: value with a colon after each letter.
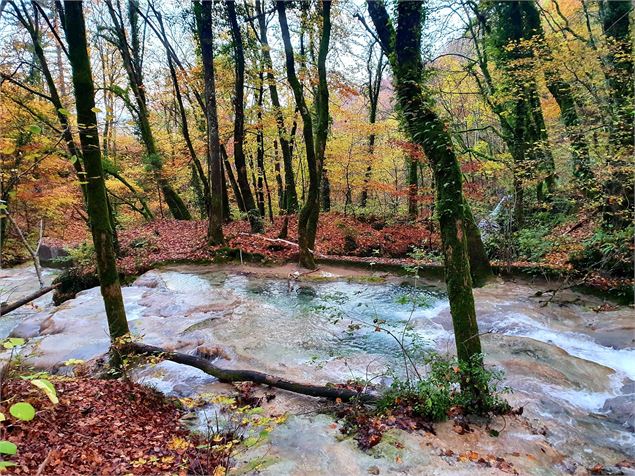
x: 506, y: 37
x: 372, y: 92
x: 615, y: 18
x: 97, y: 204
x: 203, y: 11
x: 402, y: 46
x: 131, y: 55
x: 564, y: 95
x: 289, y: 196
x: 315, y: 147
x: 255, y: 216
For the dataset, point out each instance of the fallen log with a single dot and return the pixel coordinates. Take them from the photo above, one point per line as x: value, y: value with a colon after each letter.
x: 232, y: 375
x: 7, y: 308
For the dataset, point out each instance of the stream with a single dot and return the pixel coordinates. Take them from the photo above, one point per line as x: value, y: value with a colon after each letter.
x: 571, y: 368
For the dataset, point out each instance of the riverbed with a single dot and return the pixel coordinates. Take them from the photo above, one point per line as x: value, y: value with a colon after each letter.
x: 571, y: 365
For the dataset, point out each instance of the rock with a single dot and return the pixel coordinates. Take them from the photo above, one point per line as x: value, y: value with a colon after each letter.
x: 621, y: 410
x: 49, y: 256
x: 373, y: 470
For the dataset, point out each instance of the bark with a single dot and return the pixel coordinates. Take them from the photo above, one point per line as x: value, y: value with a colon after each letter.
x: 96, y: 190
x: 236, y: 375
x: 326, y: 191
x: 290, y: 204
x: 130, y: 51
x: 232, y: 180
x: 7, y: 308
x: 423, y: 125
x: 215, y: 172
x: 254, y: 215
x: 480, y: 266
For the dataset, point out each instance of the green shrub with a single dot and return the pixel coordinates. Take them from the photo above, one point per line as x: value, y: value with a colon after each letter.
x: 82, y: 256
x: 610, y: 251
x: 448, y: 384
x: 532, y: 243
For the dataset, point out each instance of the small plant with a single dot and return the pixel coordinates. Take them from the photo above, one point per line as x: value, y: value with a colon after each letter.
x: 237, y: 424
x: 20, y: 410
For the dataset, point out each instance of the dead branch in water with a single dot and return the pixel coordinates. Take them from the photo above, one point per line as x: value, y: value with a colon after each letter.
x: 231, y: 375
x: 7, y: 308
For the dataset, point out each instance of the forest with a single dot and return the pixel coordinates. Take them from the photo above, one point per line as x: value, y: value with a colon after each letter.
x: 317, y: 237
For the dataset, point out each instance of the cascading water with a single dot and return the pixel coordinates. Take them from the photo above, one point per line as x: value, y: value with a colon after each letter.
x: 570, y: 367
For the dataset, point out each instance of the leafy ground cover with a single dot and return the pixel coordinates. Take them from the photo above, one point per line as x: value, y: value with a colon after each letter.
x: 103, y: 427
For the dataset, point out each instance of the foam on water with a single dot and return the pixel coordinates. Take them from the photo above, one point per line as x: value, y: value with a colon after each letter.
x: 575, y: 344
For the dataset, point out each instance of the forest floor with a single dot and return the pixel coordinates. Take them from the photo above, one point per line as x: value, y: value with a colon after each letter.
x: 104, y: 427
x: 340, y: 239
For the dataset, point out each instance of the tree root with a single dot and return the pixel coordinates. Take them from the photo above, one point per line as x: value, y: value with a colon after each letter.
x: 231, y: 375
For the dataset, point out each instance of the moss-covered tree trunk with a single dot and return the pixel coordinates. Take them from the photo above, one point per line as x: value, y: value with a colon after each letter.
x: 309, y: 214
x: 507, y: 32
x: 403, y: 47
x: 97, y: 202
x: 206, y: 36
x: 615, y: 16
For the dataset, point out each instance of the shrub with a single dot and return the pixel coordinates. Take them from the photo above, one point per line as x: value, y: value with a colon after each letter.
x: 610, y: 251
x: 73, y: 280
x: 448, y: 384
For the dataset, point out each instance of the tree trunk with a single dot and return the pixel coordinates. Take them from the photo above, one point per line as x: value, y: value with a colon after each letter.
x: 255, y: 217
x: 281, y: 191
x: 307, y: 220
x: 326, y: 191
x: 424, y: 126
x: 215, y: 171
x: 563, y: 94
x: 480, y: 267
x: 236, y: 375
x: 290, y: 204
x: 74, y: 26
x: 374, y: 87
x: 131, y: 58
x: 232, y: 180
x: 413, y: 189
x: 185, y: 131
x: 618, y: 189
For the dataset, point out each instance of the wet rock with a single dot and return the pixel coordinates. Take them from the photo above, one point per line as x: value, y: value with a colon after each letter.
x: 306, y: 292
x: 621, y: 410
x: 50, y: 256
